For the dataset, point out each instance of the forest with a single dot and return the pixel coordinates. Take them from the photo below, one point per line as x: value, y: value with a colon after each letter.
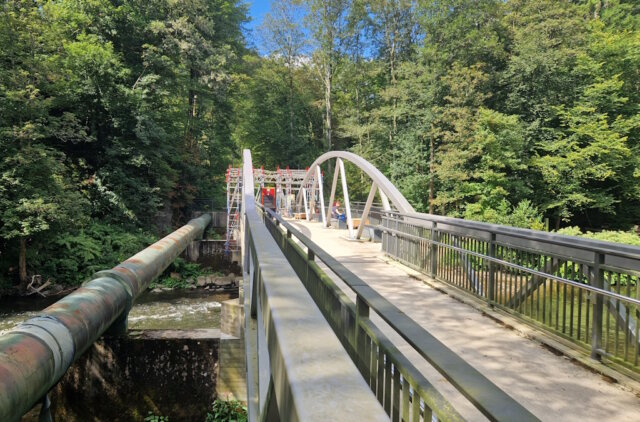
x: 118, y: 118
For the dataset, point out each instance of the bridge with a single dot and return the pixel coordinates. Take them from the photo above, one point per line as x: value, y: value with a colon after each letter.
x: 389, y: 315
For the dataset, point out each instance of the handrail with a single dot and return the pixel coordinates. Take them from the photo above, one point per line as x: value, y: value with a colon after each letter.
x: 486, y: 396
x: 603, y: 292
x: 585, y: 291
x: 35, y: 355
x: 575, y: 242
x: 307, y: 375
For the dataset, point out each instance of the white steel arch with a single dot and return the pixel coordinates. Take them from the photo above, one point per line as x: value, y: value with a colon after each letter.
x: 379, y: 183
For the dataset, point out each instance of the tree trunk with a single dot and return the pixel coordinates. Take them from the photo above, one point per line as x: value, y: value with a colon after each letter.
x: 22, y: 265
x: 431, y: 175
x: 327, y: 99
x: 191, y: 111
x: 291, y: 113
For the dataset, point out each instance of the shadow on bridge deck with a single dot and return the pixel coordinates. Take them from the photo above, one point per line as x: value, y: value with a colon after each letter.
x: 550, y: 386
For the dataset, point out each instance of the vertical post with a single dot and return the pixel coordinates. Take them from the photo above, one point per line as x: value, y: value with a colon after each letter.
x: 492, y: 270
x: 597, y: 280
x: 245, y: 240
x: 306, y: 207
x: 385, y: 201
x: 362, y: 313
x: 435, y: 237
x: 255, y: 278
x: 312, y: 196
x: 367, y: 208
x: 321, y: 195
x: 345, y: 191
x: 334, y: 184
x: 307, y: 281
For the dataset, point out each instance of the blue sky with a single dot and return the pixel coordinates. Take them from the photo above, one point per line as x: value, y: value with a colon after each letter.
x: 257, y: 10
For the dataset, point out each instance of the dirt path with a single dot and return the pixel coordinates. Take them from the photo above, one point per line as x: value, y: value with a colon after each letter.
x: 550, y: 386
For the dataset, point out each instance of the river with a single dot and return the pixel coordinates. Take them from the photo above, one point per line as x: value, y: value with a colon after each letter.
x: 173, y: 309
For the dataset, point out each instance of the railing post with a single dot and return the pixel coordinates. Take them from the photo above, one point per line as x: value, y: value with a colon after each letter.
x: 362, y: 313
x: 597, y: 280
x: 435, y: 237
x: 307, y: 281
x: 492, y: 271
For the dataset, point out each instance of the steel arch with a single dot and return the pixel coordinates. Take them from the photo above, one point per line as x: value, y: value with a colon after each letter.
x: 376, y: 175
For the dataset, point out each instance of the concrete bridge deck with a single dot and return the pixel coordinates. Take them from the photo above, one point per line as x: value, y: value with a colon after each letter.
x: 550, y: 386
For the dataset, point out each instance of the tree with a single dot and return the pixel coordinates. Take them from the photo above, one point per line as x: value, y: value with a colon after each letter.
x: 590, y: 165
x: 262, y: 113
x: 327, y: 20
x: 393, y: 29
x: 285, y: 40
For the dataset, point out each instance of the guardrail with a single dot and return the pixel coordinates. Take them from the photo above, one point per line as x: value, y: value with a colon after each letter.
x: 583, y: 290
x: 35, y: 355
x: 403, y: 391
x: 297, y: 370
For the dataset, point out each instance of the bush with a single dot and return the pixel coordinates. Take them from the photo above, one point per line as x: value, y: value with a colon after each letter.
x: 186, y: 270
x: 72, y: 257
x: 155, y: 418
x: 627, y: 238
x: 227, y: 411
x: 523, y: 215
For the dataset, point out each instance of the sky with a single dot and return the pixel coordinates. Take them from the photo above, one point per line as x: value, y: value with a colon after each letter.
x: 257, y: 9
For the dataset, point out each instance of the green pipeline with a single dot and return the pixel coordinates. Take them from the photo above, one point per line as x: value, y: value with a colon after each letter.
x: 35, y: 355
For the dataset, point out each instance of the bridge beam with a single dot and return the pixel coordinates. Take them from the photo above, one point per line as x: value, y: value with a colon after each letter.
x: 390, y: 191
x: 345, y: 192
x: 321, y: 195
x: 367, y: 208
x: 334, y: 185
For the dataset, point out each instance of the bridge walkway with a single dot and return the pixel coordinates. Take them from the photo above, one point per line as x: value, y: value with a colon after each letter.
x: 550, y: 386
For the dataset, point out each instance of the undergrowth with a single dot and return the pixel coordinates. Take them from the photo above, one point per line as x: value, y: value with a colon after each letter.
x: 227, y: 411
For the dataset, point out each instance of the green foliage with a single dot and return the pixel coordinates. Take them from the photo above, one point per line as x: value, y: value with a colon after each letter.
x: 151, y: 417
x: 616, y: 236
x: 509, y: 112
x: 109, y: 112
x: 523, y: 215
x: 179, y: 274
x: 227, y: 411
x: 276, y: 134
x: 70, y: 258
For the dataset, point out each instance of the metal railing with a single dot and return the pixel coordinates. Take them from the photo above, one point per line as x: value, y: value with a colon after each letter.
x: 35, y: 355
x: 583, y: 290
x: 297, y: 370
x: 401, y: 388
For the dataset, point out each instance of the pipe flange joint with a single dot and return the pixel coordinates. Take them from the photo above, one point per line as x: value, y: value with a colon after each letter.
x: 122, y: 280
x: 55, y: 335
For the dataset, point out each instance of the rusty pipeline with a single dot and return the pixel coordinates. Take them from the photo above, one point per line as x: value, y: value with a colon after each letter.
x: 35, y: 355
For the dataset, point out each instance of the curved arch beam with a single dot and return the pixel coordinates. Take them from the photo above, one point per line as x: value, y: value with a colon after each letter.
x: 380, y: 179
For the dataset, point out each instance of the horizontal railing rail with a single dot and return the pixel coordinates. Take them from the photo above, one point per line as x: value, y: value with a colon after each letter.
x: 583, y: 290
x: 297, y: 369
x: 399, y: 386
x: 35, y: 355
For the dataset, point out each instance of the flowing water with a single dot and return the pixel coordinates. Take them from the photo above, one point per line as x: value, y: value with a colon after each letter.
x: 174, y: 309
